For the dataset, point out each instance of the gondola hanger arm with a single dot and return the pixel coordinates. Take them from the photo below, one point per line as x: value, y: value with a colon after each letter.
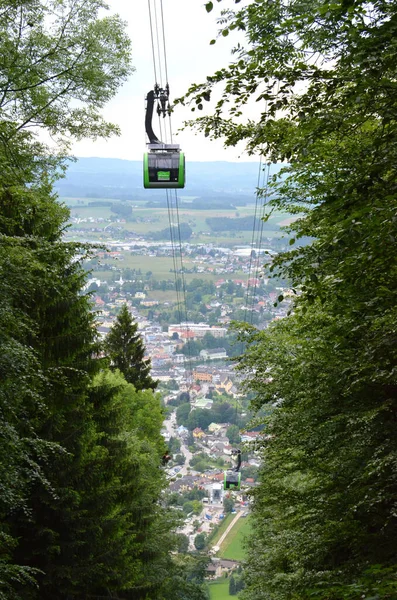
x: 163, y: 108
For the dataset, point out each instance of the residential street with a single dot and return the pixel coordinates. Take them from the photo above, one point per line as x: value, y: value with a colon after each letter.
x: 171, y: 426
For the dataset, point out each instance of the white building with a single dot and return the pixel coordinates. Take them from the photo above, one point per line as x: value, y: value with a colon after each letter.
x: 198, y: 329
x: 214, y: 354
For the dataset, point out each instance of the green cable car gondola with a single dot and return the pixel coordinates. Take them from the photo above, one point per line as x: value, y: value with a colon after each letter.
x: 164, y: 168
x: 231, y: 480
x: 164, y: 164
x: 232, y: 477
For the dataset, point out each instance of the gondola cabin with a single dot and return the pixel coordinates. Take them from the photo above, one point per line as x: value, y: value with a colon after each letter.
x: 232, y: 480
x: 164, y: 167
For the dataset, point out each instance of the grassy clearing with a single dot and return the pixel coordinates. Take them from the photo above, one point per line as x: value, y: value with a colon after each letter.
x: 223, y: 526
x: 219, y: 590
x: 232, y: 548
x: 159, y: 265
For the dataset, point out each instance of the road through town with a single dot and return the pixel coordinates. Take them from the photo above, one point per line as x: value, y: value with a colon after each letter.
x: 170, y: 425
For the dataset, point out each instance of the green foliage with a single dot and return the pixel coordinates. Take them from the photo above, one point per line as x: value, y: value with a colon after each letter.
x: 233, y: 434
x: 228, y: 504
x: 192, y: 506
x: 185, y: 579
x: 232, y: 586
x: 200, y: 541
x: 180, y: 399
x: 174, y: 444
x: 180, y: 459
x: 124, y: 210
x: 182, y: 414
x: 221, y: 412
x: 62, y: 63
x: 80, y: 447
x: 125, y: 348
x: 250, y: 471
x: 183, y: 231
x: 324, y: 512
x: 183, y: 543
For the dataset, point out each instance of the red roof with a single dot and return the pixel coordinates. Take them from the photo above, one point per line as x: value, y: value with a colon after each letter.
x: 187, y: 334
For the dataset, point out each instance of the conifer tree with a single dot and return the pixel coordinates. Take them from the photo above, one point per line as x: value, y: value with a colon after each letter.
x: 125, y: 348
x: 232, y: 586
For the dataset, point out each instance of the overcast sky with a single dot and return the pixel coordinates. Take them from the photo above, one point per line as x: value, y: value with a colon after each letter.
x: 189, y: 29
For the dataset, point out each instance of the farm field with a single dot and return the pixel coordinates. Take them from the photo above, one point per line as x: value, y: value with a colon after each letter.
x: 232, y: 548
x: 146, y: 219
x: 219, y: 590
x: 161, y: 268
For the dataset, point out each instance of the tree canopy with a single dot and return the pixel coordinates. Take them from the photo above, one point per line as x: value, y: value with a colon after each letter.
x: 322, y: 75
x: 61, y: 64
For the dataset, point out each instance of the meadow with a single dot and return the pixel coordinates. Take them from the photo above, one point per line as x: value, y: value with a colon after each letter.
x: 219, y: 589
x: 221, y: 529
x: 233, y: 546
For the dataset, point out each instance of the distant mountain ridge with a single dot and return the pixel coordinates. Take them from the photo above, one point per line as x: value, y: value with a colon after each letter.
x: 122, y: 179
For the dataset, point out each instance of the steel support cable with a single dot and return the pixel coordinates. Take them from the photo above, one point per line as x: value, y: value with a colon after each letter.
x: 260, y: 229
x: 164, y: 44
x: 256, y: 261
x: 155, y: 40
x: 165, y: 60
x: 183, y: 285
x: 172, y: 218
x: 257, y: 251
x: 152, y: 38
x: 266, y: 197
x: 158, y: 44
x: 174, y: 261
x: 253, y: 237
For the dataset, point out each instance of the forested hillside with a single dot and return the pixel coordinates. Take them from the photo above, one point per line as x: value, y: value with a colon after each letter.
x: 80, y: 446
x: 324, y: 75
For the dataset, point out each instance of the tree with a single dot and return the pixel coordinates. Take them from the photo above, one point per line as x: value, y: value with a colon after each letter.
x: 200, y: 541
x: 183, y: 543
x: 63, y: 64
x: 228, y: 504
x: 199, y: 417
x: 233, y: 434
x: 174, y: 445
x: 126, y: 351
x: 57, y: 74
x: 182, y: 414
x: 48, y: 331
x: 191, y: 348
x: 327, y: 372
x: 232, y: 586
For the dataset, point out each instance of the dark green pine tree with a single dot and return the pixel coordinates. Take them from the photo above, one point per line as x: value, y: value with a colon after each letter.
x: 232, y: 586
x: 126, y: 350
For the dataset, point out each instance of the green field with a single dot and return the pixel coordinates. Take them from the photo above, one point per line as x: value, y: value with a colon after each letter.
x: 232, y: 548
x: 224, y: 525
x: 219, y: 590
x: 148, y: 219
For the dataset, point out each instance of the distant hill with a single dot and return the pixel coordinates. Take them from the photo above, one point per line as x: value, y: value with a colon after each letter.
x: 114, y: 178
